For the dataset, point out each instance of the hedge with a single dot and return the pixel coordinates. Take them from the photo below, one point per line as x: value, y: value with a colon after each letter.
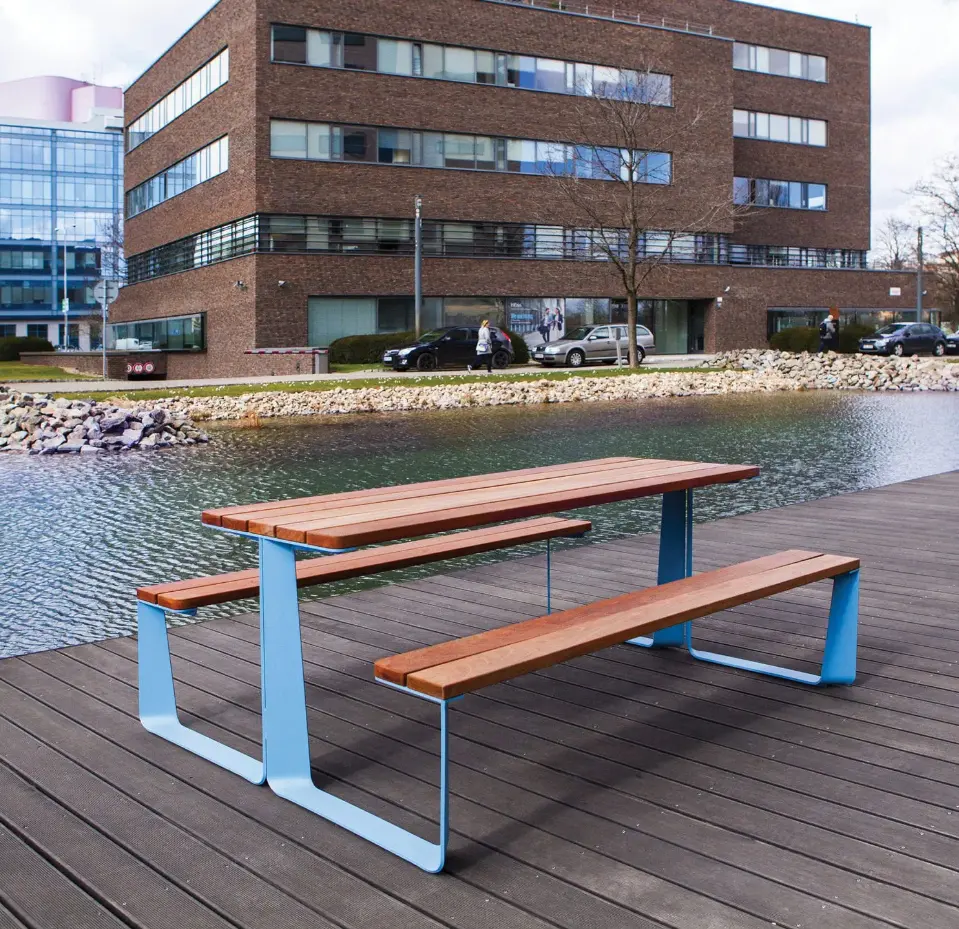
x: 806, y: 339
x: 368, y: 349
x: 520, y: 348
x: 12, y: 346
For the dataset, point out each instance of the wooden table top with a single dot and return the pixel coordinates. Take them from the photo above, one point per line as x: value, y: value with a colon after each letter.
x: 388, y: 514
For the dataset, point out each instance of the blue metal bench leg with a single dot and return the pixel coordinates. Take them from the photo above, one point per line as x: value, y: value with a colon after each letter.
x: 286, y: 748
x: 839, y: 658
x: 158, y: 711
x: 675, y: 561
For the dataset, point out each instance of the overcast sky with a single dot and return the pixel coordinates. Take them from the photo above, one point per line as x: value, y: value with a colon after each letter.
x: 915, y: 65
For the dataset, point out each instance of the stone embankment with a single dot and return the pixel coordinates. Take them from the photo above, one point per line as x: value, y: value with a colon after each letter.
x: 731, y: 373
x: 40, y: 425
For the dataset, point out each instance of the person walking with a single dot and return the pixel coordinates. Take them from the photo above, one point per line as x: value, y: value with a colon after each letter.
x: 829, y: 333
x: 484, y: 349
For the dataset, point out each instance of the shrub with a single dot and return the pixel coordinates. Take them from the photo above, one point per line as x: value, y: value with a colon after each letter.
x: 796, y: 339
x: 806, y: 338
x: 366, y: 349
x: 850, y: 335
x: 520, y: 348
x: 12, y: 346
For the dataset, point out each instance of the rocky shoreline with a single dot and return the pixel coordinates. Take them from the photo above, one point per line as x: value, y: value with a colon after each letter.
x: 729, y: 373
x: 37, y: 424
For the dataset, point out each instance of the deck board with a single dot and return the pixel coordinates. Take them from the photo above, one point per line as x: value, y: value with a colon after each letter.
x: 625, y: 788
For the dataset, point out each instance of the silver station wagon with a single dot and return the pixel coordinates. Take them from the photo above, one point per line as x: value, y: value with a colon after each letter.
x: 593, y: 344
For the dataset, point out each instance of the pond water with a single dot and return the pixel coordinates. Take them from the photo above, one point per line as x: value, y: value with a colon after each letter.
x: 79, y: 534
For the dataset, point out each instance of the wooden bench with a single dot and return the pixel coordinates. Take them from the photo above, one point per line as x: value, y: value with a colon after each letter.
x: 458, y: 667
x: 187, y: 596
x: 446, y: 672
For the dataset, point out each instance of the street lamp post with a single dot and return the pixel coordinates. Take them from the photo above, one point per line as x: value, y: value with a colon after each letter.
x: 919, y: 255
x: 418, y: 270
x: 65, y: 306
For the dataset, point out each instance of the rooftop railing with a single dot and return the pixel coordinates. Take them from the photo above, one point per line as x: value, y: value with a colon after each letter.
x: 603, y: 11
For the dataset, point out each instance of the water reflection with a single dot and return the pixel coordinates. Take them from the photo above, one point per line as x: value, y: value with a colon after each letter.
x: 78, y: 534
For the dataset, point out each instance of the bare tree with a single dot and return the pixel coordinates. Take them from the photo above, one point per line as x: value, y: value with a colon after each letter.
x: 618, y: 131
x: 113, y: 265
x: 940, y: 204
x: 896, y: 244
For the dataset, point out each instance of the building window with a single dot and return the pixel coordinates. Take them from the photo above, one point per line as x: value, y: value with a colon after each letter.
x: 8, y: 330
x: 172, y: 334
x: 322, y: 142
x: 201, y: 166
x: 793, y: 195
x: 37, y: 330
x: 359, y: 52
x: 778, y: 61
x: 796, y: 130
x: 214, y: 74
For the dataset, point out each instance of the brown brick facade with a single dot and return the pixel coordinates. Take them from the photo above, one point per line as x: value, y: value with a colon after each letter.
x: 705, y: 159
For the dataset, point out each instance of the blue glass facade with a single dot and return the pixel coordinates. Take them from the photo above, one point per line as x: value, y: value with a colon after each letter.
x: 57, y: 187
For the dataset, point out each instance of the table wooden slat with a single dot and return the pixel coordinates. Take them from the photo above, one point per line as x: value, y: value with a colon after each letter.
x: 373, y: 531
x: 389, y: 514
x: 294, y: 526
x: 237, y: 515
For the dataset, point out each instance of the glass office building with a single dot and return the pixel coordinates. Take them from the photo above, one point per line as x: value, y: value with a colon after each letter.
x: 60, y: 189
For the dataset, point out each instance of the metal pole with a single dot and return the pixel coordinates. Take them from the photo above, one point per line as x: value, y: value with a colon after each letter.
x: 919, y: 279
x: 418, y: 270
x: 103, y: 332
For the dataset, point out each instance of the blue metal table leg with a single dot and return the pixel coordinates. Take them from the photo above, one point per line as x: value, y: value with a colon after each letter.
x: 675, y: 561
x: 839, y: 658
x: 286, y: 748
x: 158, y: 711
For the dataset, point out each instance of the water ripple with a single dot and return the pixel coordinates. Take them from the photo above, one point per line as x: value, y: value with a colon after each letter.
x: 79, y: 534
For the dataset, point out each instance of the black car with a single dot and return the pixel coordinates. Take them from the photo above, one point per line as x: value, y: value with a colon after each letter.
x: 905, y: 339
x: 454, y: 346
x: 952, y: 342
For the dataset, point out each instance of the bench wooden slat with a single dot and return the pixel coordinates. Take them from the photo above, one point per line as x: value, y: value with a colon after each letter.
x: 235, y: 517
x: 622, y: 622
x: 237, y: 585
x: 292, y: 525
x: 373, y: 530
x: 396, y: 668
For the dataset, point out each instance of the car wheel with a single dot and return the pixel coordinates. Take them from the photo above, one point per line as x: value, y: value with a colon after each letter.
x: 501, y: 359
x: 576, y: 358
x: 640, y: 354
x: 898, y: 350
x: 940, y: 349
x: 426, y: 362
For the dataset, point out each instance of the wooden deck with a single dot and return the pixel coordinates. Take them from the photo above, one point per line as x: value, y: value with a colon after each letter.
x: 628, y: 789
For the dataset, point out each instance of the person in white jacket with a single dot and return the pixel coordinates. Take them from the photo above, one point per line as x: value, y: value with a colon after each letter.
x: 484, y: 349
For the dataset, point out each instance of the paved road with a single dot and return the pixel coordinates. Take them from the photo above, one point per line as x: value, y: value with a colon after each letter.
x: 69, y: 387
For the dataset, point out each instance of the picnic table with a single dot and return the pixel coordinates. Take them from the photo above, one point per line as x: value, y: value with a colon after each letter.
x: 337, y: 524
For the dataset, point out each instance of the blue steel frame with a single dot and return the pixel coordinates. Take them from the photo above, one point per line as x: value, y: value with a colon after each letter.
x: 286, y: 742
x: 676, y: 562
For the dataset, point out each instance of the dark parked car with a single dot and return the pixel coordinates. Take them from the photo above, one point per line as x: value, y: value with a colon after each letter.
x: 905, y: 339
x: 454, y: 346
x: 952, y: 342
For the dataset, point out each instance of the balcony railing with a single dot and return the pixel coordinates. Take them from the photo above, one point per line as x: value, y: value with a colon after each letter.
x: 609, y: 11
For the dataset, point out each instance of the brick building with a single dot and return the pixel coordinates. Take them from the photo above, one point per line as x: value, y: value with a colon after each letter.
x: 275, y: 151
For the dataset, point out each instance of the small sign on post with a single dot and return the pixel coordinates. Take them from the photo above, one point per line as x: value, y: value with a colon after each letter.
x: 105, y: 292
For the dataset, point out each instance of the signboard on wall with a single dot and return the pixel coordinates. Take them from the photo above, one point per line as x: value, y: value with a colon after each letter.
x: 895, y: 291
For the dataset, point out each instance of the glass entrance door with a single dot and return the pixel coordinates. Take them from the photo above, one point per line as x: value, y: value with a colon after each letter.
x: 671, y: 327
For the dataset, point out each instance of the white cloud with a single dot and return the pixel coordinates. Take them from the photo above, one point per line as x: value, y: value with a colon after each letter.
x: 915, y: 66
